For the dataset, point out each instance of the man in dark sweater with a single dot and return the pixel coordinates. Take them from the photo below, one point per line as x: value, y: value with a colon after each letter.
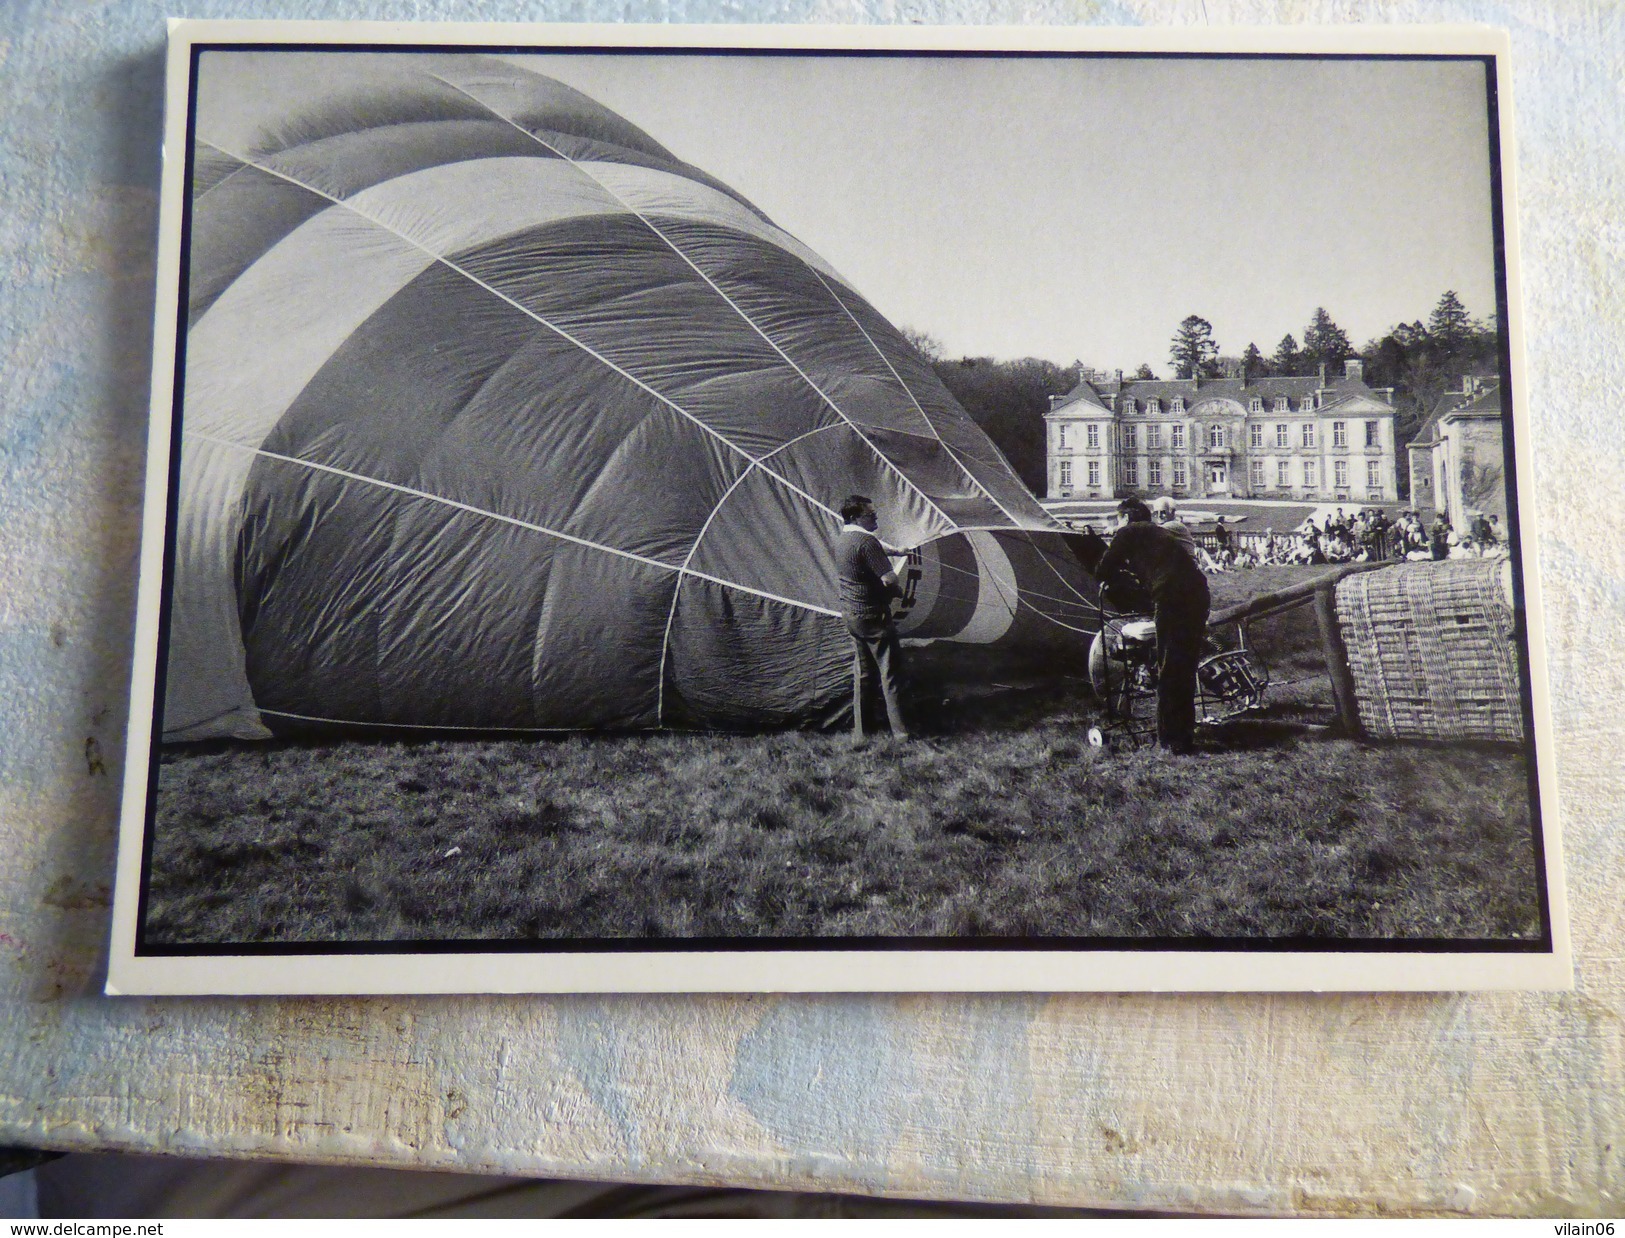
x: 1143, y: 554
x: 868, y: 584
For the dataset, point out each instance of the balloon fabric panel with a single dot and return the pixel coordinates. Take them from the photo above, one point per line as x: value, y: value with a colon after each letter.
x: 839, y: 462
x: 466, y: 592
x: 349, y: 163
x: 739, y: 661
x: 235, y: 221
x: 313, y: 576
x: 657, y: 492
x: 600, y: 640
x: 767, y: 537
x: 611, y: 283
x: 951, y: 604
x: 380, y: 403
x: 539, y: 434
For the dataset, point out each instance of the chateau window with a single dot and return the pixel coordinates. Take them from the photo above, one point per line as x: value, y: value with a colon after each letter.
x: 1255, y: 435
x: 1126, y: 404
x: 1280, y: 404
x: 1131, y: 473
x: 1177, y: 405
x: 1153, y: 473
x: 1255, y: 405
x: 1130, y: 439
x: 1282, y: 480
x: 1280, y: 434
x: 1258, y: 474
x: 1153, y: 438
x: 1060, y: 436
x: 1215, y: 437
x: 1066, y: 473
x: 1311, y: 478
x: 1094, y: 472
x: 1308, y: 434
x: 1153, y: 405
x: 1340, y: 474
x: 1373, y: 474
x: 1092, y: 436
x: 1308, y: 404
x: 1371, y: 439
x: 1179, y: 474
x: 1176, y: 435
x: 1340, y: 434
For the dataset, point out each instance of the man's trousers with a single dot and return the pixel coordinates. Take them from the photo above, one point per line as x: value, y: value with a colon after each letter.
x: 876, y: 655
x: 1180, y: 632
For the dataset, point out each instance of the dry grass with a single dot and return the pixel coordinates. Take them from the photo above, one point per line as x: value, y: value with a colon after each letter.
x: 998, y: 821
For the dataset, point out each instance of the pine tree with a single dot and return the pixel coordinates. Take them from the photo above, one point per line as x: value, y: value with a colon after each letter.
x: 1450, y: 326
x: 1144, y: 372
x: 1193, y: 351
x: 1324, y: 342
x: 1286, y: 358
x: 1253, y: 364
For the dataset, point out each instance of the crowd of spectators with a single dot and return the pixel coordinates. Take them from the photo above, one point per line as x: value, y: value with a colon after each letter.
x: 1360, y: 536
x: 1363, y: 535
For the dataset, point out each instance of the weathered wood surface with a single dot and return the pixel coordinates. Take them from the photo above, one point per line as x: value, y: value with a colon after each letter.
x: 1488, y: 1103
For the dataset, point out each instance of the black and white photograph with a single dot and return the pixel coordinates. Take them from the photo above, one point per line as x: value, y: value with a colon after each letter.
x: 692, y: 511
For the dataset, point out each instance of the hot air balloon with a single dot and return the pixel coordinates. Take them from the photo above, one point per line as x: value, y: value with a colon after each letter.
x: 497, y: 415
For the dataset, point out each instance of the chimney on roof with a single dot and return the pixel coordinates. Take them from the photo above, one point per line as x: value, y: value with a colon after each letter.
x: 1322, y: 373
x: 1354, y: 370
x: 1119, y: 378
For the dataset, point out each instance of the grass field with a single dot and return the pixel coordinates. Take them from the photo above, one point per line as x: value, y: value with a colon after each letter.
x: 998, y: 820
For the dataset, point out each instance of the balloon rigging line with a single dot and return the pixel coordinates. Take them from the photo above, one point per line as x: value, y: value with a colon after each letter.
x: 729, y: 301
x: 909, y: 391
x: 913, y: 399
x: 512, y: 520
x: 241, y: 167
x: 529, y: 313
x: 421, y: 726
x: 671, y: 614
x: 1024, y: 593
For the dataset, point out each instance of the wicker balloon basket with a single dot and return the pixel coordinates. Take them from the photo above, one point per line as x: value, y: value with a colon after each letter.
x: 1432, y: 650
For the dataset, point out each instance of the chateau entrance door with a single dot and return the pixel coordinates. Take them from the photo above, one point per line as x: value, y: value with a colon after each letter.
x: 1218, y: 479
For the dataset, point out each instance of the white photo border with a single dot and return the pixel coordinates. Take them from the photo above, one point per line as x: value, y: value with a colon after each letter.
x: 408, y: 967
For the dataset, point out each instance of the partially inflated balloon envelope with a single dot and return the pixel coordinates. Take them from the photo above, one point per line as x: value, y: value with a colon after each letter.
x: 498, y: 415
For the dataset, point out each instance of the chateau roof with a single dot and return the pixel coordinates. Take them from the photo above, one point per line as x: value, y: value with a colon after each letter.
x: 1486, y: 404
x: 1459, y: 402
x: 1192, y: 390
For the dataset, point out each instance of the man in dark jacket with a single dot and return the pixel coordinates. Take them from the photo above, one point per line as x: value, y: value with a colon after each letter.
x: 868, y: 584
x: 1144, y: 554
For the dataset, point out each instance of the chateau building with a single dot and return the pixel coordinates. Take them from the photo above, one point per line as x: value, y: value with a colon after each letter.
x: 1264, y: 438
x: 1458, y: 460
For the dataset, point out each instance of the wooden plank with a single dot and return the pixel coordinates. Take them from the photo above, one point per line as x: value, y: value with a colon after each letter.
x: 1337, y: 658
x: 1283, y: 599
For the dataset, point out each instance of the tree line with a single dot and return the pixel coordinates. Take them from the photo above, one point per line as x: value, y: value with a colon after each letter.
x: 1420, y: 360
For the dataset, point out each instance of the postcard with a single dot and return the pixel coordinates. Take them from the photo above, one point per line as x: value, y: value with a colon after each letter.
x: 870, y: 509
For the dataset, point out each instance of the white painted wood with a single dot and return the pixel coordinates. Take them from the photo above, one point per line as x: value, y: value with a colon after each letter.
x: 1493, y: 1103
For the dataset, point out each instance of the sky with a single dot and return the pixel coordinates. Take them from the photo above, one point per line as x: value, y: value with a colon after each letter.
x: 1078, y: 209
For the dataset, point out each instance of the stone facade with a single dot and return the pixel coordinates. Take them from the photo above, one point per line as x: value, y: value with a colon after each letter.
x: 1458, y: 458
x: 1281, y: 438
